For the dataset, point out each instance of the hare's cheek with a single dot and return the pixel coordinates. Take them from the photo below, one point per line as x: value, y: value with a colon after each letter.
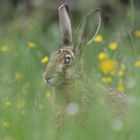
x: 59, y: 68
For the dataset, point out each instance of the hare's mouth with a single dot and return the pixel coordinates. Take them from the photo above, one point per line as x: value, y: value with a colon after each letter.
x: 49, y: 80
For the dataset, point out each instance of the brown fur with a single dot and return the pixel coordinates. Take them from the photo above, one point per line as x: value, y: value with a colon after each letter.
x: 65, y: 75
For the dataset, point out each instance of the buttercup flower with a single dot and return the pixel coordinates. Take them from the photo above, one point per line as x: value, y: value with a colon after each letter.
x: 107, y: 65
x: 102, y: 56
x: 113, y: 46
x: 98, y: 38
x: 5, y: 49
x: 6, y: 124
x: 137, y: 33
x: 121, y: 87
x: 31, y: 45
x: 120, y: 72
x: 107, y: 79
x: 18, y: 76
x: 137, y: 64
x: 45, y: 59
x: 7, y: 103
x: 48, y: 94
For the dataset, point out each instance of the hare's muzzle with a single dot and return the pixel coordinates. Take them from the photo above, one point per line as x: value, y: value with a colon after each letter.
x: 47, y: 79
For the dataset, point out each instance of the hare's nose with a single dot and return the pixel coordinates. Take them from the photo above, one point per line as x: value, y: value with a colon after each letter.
x: 47, y: 79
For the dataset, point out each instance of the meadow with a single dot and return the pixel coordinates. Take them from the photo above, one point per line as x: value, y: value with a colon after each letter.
x: 112, y: 58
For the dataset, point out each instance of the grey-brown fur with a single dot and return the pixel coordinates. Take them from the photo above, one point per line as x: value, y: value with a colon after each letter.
x: 65, y: 75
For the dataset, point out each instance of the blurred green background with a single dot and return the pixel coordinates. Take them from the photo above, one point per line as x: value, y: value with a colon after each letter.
x: 29, y: 32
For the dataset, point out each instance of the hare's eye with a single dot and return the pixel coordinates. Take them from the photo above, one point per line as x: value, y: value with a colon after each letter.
x: 67, y: 61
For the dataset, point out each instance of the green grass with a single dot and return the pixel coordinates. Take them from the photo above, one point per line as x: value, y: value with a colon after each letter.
x: 25, y: 106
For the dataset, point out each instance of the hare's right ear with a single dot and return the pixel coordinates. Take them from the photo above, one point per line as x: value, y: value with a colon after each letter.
x: 86, y: 31
x: 65, y: 25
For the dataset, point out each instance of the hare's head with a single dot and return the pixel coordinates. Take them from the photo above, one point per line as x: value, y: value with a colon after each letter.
x: 65, y: 62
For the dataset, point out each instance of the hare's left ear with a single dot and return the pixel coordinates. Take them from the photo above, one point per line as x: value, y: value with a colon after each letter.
x: 85, y: 31
x: 65, y: 25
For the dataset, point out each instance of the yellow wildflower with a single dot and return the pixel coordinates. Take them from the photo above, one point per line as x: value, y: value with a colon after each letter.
x: 23, y: 112
x: 120, y: 72
x: 137, y: 33
x: 7, y: 103
x: 102, y: 56
x: 45, y: 59
x: 18, y: 76
x: 40, y: 106
x: 121, y: 86
x: 113, y: 73
x: 31, y: 45
x: 20, y: 104
x: 137, y: 64
x: 107, y: 65
x: 48, y: 94
x: 5, y: 49
x: 6, y: 124
x: 107, y: 79
x: 98, y: 38
x: 113, y: 46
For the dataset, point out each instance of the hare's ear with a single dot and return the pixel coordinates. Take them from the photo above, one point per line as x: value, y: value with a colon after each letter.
x: 65, y: 25
x: 86, y: 29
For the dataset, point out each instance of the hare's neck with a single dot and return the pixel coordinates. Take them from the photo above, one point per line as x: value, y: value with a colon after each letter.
x: 67, y: 92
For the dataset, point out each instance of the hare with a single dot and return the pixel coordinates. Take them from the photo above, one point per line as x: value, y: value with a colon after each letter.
x: 64, y: 73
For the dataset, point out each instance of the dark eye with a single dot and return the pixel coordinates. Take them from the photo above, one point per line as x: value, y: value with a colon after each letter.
x: 67, y: 60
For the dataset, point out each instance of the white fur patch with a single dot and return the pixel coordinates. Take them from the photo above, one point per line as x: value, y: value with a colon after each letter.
x: 72, y: 109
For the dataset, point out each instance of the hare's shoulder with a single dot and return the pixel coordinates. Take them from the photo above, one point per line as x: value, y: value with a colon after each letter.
x: 115, y: 99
